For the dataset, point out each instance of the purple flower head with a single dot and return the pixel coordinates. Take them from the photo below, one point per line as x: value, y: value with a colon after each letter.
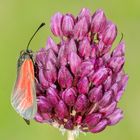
x: 79, y: 81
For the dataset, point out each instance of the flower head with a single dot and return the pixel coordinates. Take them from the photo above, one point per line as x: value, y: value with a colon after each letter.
x: 79, y: 80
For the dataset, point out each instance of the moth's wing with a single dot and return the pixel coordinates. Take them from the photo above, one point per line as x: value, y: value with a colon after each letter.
x: 23, y: 98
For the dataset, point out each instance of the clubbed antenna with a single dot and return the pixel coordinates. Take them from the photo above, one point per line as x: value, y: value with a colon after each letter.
x: 41, y: 25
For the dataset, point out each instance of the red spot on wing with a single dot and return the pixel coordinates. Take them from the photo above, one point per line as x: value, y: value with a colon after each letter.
x: 25, y: 82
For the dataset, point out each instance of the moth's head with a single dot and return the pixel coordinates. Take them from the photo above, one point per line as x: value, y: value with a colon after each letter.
x: 25, y: 54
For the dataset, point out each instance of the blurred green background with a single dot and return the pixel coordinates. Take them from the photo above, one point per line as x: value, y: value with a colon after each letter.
x: 18, y: 21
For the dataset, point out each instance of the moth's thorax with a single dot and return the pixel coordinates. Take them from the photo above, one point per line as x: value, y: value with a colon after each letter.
x: 28, y: 54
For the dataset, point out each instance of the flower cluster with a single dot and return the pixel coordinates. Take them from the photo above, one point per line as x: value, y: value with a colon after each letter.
x: 79, y: 80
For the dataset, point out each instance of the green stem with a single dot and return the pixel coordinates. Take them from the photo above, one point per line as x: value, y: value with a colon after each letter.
x: 70, y: 136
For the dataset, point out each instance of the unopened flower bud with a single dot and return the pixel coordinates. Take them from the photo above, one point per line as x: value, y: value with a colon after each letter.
x: 92, y: 120
x: 116, y: 63
x: 67, y: 25
x: 64, y: 77
x: 69, y: 96
x: 114, y: 88
x: 52, y: 96
x: 39, y: 118
x: 80, y: 29
x: 102, y: 48
x: 47, y: 117
x: 121, y: 85
x: 51, y: 56
x: 108, y: 83
x: 41, y: 57
x: 109, y: 34
x: 100, y: 76
x: 56, y: 22
x: 100, y: 126
x: 50, y: 72
x: 71, y: 47
x: 51, y: 45
x: 85, y: 13
x: 115, y: 117
x: 98, y: 21
x: 119, y: 50
x: 61, y: 110
x: 42, y: 79
x: 81, y: 103
x: 78, y: 119
x: 85, y: 68
x: 99, y: 63
x: 95, y: 94
x: 109, y: 109
x: 83, y: 85
x: 84, y: 48
x: 62, y: 56
x: 119, y: 76
x: 93, y: 51
x: 69, y: 125
x: 43, y: 105
x: 123, y: 82
x: 106, y: 57
x: 74, y: 61
x: 106, y: 99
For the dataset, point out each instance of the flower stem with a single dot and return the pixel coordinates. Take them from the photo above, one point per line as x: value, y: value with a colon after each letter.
x: 70, y: 136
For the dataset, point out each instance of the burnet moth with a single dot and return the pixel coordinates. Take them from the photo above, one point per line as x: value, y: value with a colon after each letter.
x: 23, y: 98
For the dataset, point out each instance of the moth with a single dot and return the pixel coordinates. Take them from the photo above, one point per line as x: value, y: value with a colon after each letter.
x: 23, y: 98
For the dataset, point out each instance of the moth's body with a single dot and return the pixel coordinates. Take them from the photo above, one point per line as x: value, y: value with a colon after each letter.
x: 24, y: 95
x: 23, y: 98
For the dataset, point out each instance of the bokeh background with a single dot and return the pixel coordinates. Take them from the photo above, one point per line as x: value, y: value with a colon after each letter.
x: 18, y: 21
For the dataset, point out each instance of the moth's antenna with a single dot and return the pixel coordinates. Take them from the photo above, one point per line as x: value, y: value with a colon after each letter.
x: 41, y: 25
x: 121, y: 37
